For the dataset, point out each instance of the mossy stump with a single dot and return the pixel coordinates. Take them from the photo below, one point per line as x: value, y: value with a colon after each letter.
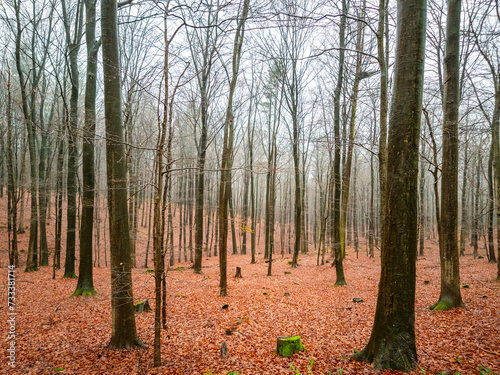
x: 238, y: 273
x: 142, y: 306
x: 286, y: 346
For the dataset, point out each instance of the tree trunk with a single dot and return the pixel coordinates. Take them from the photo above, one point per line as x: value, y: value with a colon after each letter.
x: 59, y: 200
x: 124, y: 334
x: 383, y: 57
x: 347, y: 171
x: 491, y: 203
x: 226, y: 162
x: 11, y: 187
x: 392, y: 341
x: 71, y: 177
x: 464, y: 232
x: 253, y: 215
x: 448, y: 242
x: 335, y: 222
x: 355, y: 207
x: 435, y: 174
x: 31, y: 262
x: 233, y: 229
x: 272, y: 201
x: 85, y: 284
x: 421, y: 226
x: 495, y: 140
x: 475, y: 229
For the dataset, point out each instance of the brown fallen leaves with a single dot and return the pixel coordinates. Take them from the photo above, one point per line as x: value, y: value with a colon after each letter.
x: 56, y: 331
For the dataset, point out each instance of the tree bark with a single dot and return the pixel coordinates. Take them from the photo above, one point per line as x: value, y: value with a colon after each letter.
x: 335, y: 222
x: 226, y: 162
x: 124, y: 334
x: 347, y: 171
x: 31, y: 262
x: 11, y: 187
x: 392, y: 341
x: 448, y: 239
x: 85, y: 284
x: 421, y: 227
x: 495, y: 140
x: 491, y: 209
x: 382, y: 57
x: 71, y: 178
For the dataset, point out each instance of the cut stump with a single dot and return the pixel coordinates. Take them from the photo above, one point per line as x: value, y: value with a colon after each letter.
x: 286, y: 346
x: 142, y: 306
x: 223, y: 350
x: 238, y: 273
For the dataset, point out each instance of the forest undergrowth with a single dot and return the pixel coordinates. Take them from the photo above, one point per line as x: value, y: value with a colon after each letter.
x: 57, y: 333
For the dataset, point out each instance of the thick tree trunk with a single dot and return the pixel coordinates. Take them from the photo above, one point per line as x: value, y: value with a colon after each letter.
x: 448, y: 240
x: 124, y: 334
x: 392, y: 341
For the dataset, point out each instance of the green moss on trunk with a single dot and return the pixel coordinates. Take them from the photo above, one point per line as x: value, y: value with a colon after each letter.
x: 441, y: 305
x: 84, y: 292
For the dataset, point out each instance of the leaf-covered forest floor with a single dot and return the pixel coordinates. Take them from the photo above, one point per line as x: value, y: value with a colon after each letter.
x: 56, y: 331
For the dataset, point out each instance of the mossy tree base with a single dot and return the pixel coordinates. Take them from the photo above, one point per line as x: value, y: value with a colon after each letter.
x: 286, y: 346
x: 392, y: 354
x: 84, y: 292
x: 443, y: 304
x: 70, y: 276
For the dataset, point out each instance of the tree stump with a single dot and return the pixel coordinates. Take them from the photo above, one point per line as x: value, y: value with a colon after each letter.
x: 238, y: 273
x: 142, y: 306
x: 223, y: 350
x: 286, y: 346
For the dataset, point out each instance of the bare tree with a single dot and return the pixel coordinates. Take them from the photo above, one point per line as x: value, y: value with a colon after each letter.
x: 392, y: 342
x: 73, y: 48
x: 124, y: 334
x: 204, y: 42
x: 226, y: 162
x: 85, y: 284
x: 448, y: 240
